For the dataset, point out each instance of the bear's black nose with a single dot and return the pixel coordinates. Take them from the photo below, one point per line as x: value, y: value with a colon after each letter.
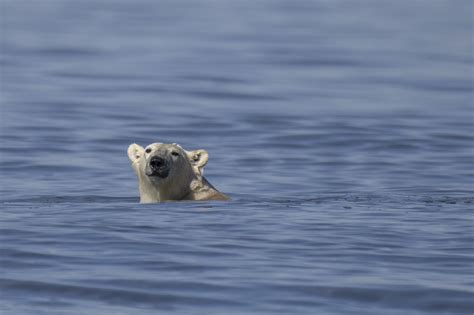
x: 156, y: 163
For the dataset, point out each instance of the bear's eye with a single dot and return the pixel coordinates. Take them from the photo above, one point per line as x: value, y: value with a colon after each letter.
x: 148, y: 150
x: 174, y: 153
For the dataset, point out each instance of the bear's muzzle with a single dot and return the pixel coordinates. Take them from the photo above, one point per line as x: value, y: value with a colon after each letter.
x: 158, y: 167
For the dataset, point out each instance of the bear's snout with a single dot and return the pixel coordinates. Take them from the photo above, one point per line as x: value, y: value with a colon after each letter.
x: 157, y: 162
x: 158, y: 167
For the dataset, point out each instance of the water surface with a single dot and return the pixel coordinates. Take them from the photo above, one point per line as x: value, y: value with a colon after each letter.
x: 342, y: 131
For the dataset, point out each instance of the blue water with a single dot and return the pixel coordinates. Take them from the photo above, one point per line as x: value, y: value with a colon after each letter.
x: 342, y: 130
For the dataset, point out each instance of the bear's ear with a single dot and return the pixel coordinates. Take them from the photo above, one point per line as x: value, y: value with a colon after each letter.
x: 198, y: 159
x: 135, y: 152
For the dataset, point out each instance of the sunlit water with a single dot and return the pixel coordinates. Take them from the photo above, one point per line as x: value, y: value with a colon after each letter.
x: 342, y: 130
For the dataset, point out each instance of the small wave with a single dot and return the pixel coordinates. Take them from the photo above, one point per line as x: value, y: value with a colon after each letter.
x: 112, y: 295
x: 73, y: 199
x: 310, y: 197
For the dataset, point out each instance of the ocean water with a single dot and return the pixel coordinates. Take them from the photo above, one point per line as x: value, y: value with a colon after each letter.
x: 342, y: 130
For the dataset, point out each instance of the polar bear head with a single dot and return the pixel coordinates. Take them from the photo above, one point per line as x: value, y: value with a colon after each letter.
x: 166, y: 171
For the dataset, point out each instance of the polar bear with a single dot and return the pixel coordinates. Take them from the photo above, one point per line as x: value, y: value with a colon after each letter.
x: 168, y: 172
